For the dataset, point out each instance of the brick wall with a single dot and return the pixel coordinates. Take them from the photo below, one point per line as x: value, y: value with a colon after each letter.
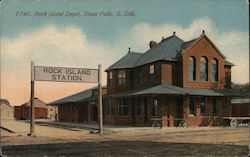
x: 209, y: 119
x: 203, y: 48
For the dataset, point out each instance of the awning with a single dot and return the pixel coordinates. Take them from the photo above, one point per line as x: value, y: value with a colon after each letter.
x: 161, y: 89
x: 175, y: 90
x: 211, y: 92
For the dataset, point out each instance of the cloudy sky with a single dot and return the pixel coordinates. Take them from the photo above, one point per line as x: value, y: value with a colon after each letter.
x: 86, y: 41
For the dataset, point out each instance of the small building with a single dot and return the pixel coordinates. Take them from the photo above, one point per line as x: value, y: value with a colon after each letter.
x: 240, y: 107
x: 80, y: 107
x: 23, y: 112
x: 6, y: 110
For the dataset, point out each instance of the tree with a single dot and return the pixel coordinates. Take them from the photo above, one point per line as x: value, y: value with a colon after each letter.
x: 243, y: 89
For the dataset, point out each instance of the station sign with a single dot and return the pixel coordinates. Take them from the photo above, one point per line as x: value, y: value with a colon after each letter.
x: 64, y: 74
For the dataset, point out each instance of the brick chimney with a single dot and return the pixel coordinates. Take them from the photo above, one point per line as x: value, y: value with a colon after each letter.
x: 152, y: 44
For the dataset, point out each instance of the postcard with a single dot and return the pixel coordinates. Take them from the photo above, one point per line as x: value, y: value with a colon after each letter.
x: 124, y: 78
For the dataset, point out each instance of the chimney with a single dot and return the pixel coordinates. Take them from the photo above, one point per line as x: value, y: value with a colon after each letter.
x: 152, y: 44
x: 203, y: 31
x: 129, y: 49
x: 173, y: 33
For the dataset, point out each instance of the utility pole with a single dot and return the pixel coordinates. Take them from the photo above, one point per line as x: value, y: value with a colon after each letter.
x: 100, y: 99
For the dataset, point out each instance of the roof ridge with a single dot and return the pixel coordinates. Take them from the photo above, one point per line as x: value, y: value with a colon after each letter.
x: 86, y: 90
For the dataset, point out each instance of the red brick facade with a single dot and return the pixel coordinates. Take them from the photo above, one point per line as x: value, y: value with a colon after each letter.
x: 23, y: 112
x: 172, y: 109
x: 199, y: 49
x: 120, y: 107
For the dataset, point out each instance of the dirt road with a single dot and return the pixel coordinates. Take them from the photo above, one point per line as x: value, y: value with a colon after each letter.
x: 209, y: 141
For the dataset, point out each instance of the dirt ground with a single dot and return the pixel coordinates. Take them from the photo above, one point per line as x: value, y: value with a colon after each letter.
x: 130, y: 141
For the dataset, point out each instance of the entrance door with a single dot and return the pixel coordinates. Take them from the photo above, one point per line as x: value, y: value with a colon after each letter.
x: 133, y: 110
x: 145, y: 110
x: 94, y: 113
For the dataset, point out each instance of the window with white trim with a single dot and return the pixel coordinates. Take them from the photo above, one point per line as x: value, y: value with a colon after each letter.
x: 152, y: 72
x: 110, y: 79
x: 121, y: 77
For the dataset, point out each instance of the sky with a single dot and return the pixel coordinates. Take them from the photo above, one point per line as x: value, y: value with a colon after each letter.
x: 86, y: 41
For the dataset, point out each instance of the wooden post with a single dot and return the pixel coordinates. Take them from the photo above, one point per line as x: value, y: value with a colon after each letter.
x: 100, y: 99
x: 32, y: 129
x: 1, y: 151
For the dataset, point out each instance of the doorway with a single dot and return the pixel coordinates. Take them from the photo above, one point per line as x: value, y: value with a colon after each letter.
x: 145, y: 102
x: 94, y: 113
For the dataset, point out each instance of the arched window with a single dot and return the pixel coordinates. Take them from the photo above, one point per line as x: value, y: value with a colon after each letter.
x: 215, y: 70
x: 191, y: 68
x: 203, y: 69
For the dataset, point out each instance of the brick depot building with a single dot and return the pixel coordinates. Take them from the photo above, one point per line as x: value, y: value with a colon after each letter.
x: 174, y: 80
x: 79, y: 107
x: 23, y: 112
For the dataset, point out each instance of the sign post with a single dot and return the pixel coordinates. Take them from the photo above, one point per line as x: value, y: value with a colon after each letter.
x: 32, y: 109
x: 100, y: 99
x: 65, y: 74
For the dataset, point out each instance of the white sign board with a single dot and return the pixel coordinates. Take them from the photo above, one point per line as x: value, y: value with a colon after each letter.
x: 63, y: 74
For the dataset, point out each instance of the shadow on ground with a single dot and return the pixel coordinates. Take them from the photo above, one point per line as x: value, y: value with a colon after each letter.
x: 125, y: 148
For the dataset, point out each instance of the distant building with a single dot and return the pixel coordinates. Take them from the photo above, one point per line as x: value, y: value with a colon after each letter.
x: 6, y: 109
x: 23, y: 112
x: 240, y: 107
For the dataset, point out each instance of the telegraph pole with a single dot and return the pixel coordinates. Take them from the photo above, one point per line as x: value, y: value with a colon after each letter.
x: 32, y: 129
x: 100, y: 99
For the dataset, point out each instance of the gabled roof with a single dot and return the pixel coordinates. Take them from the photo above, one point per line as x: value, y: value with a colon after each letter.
x: 37, y: 103
x: 4, y: 101
x: 228, y: 63
x: 125, y: 62
x: 195, y: 41
x: 83, y: 96
x: 187, y: 44
x: 167, y: 49
x: 75, y: 97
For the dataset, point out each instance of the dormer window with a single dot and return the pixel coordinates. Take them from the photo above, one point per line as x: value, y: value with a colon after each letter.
x: 203, y: 69
x: 121, y: 77
x: 151, y: 72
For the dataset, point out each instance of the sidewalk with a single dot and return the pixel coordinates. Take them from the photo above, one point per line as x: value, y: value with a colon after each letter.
x: 89, y: 126
x: 16, y: 126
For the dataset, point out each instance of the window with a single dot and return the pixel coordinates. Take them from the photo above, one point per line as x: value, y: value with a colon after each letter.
x: 109, y: 107
x: 151, y: 72
x: 121, y: 77
x: 137, y: 107
x: 140, y: 77
x: 154, y: 107
x: 214, y: 105
x: 214, y: 70
x: 191, y: 106
x: 203, y: 69
x: 123, y: 107
x: 110, y: 79
x: 191, y: 68
x: 203, y: 106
